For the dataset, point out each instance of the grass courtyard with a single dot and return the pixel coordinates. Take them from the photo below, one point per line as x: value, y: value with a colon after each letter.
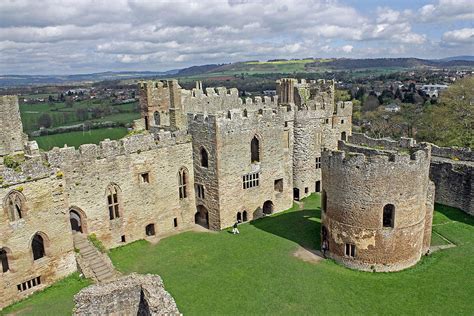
x: 256, y: 273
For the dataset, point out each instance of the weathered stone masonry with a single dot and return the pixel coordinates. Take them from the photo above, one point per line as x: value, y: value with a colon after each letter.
x: 373, y: 218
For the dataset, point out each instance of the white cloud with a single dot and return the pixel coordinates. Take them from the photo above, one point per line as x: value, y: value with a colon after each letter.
x: 447, y: 10
x: 44, y: 35
x: 465, y: 35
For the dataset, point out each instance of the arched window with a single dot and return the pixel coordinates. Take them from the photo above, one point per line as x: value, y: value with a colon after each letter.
x: 183, y: 182
x: 255, y: 149
x: 4, y: 260
x: 204, y: 158
x: 37, y: 246
x: 15, y: 205
x: 343, y: 136
x: 113, y: 201
x: 156, y: 116
x: 388, y: 215
x: 150, y: 230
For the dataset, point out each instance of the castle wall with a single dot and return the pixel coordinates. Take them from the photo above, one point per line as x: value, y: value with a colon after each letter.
x: 89, y: 171
x: 234, y: 136
x: 451, y: 170
x: 358, y: 183
x: 203, y: 131
x: 44, y: 212
x: 11, y: 128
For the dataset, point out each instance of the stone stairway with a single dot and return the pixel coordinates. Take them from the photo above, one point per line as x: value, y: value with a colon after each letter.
x: 93, y: 263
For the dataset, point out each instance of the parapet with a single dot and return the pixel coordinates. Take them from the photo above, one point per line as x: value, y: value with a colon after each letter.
x: 113, y: 148
x: 384, y: 143
x: 357, y: 156
x: 463, y: 154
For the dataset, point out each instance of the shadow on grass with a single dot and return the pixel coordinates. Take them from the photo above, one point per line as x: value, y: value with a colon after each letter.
x: 455, y: 214
x: 300, y: 226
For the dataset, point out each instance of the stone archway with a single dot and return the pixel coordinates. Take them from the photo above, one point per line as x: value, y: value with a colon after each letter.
x: 77, y: 219
x: 202, y: 216
x: 268, y: 207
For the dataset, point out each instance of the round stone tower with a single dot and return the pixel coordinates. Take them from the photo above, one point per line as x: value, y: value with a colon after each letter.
x: 377, y: 206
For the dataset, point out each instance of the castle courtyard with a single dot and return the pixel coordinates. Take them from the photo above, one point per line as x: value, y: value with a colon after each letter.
x: 257, y: 272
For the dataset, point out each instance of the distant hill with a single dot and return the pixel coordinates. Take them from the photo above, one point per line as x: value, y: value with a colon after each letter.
x: 344, y: 63
x: 21, y: 80
x: 275, y: 66
x: 464, y: 58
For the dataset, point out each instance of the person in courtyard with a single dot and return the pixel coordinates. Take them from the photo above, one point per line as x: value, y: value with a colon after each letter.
x: 235, y: 229
x: 324, y: 247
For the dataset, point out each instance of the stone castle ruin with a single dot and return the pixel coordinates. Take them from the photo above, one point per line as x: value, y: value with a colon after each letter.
x: 197, y: 157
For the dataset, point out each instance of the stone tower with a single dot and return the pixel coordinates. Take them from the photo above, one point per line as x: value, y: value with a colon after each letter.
x: 11, y: 129
x: 377, y: 206
x: 160, y: 104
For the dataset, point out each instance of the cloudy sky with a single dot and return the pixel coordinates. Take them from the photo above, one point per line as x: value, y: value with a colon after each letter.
x: 81, y: 36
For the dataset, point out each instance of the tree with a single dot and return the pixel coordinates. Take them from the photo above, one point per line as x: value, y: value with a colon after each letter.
x: 450, y: 122
x: 371, y: 103
x: 45, y: 120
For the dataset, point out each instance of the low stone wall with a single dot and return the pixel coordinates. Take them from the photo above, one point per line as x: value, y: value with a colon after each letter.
x: 134, y: 294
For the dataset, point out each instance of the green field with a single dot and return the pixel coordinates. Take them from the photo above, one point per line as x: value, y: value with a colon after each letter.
x: 62, y: 115
x: 55, y: 300
x: 255, y: 273
x: 78, y: 138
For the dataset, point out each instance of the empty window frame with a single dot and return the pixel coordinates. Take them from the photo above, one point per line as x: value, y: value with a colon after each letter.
x: 350, y: 250
x: 200, y: 191
x: 251, y: 180
x: 388, y: 215
x: 278, y: 185
x: 145, y: 177
x: 183, y: 183
x: 113, y: 201
x: 318, y: 162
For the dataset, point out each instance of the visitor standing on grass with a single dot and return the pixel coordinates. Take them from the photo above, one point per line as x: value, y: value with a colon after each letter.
x: 235, y: 230
x: 325, y: 247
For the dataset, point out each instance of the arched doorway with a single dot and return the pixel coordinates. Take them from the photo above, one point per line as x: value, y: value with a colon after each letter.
x: 156, y: 116
x: 202, y: 216
x: 296, y: 194
x: 244, y: 216
x: 77, y: 220
x: 268, y: 207
x: 344, y: 136
x: 239, y: 216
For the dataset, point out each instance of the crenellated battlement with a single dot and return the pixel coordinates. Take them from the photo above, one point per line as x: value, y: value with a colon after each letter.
x: 360, y: 157
x: 113, y: 148
x: 383, y: 143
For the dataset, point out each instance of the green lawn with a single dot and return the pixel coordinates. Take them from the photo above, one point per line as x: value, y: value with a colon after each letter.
x: 55, y: 300
x: 255, y: 272
x: 78, y: 138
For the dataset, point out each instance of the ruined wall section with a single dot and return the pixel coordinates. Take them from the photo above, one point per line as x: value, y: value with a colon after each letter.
x: 358, y: 183
x: 131, y: 295
x: 451, y: 170
x: 44, y: 212
x: 234, y: 135
x: 12, y: 138
x: 91, y: 169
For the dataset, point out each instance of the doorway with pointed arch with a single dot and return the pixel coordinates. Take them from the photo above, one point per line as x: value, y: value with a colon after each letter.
x: 202, y: 216
x: 77, y: 218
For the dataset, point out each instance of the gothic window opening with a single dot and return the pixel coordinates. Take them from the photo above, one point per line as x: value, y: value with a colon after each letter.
x: 183, y: 182
x: 343, y: 136
x: 4, y: 260
x: 200, y: 191
x: 37, y: 246
x: 204, y: 158
x: 113, y: 201
x: 15, y: 205
x: 388, y: 215
x: 255, y: 149
x: 157, y: 118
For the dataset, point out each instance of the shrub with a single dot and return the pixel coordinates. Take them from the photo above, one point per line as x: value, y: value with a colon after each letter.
x: 97, y: 243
